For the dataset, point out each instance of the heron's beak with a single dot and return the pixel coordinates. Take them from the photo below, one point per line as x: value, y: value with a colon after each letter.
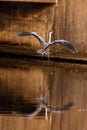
x: 51, y: 31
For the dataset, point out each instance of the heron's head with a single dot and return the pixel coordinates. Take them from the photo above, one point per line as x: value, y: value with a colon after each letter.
x: 51, y: 31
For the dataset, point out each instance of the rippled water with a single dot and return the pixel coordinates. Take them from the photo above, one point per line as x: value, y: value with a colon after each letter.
x: 23, y: 80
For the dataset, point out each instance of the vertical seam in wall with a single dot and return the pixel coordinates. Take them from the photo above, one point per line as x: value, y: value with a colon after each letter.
x: 56, y: 2
x: 66, y: 19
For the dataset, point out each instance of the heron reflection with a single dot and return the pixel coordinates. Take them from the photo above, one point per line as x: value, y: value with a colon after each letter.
x: 43, y: 104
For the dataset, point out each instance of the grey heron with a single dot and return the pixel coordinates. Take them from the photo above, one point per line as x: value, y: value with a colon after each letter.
x: 46, y: 45
x: 41, y: 40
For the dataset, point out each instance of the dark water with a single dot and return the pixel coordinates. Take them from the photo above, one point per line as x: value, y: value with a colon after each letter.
x: 23, y: 80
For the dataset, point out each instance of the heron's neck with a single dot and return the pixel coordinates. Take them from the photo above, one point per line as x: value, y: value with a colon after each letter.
x: 50, y: 37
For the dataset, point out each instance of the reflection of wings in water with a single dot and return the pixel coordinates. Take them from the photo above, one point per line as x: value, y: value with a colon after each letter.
x: 61, y: 109
x: 43, y: 104
x: 32, y: 114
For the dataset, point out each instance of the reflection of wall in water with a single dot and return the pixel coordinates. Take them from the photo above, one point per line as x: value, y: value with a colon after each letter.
x: 70, y: 84
x: 64, y: 83
x: 27, y: 83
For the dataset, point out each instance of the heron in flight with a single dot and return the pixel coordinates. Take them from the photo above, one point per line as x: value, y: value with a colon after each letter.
x: 46, y: 45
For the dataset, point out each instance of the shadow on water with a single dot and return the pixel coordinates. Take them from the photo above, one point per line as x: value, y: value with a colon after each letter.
x: 23, y: 80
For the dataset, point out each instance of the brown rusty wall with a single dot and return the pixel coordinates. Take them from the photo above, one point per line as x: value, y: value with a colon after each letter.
x: 17, y: 17
x: 40, y: 1
x: 66, y: 18
x: 70, y: 22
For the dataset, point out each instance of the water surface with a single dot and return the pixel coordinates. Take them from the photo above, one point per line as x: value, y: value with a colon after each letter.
x: 23, y: 80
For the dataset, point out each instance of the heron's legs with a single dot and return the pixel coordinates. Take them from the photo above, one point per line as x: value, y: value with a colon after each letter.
x: 47, y: 52
x: 46, y: 113
x: 44, y: 52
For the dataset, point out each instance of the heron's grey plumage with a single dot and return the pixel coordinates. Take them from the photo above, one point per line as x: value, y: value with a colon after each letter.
x: 62, y: 42
x: 46, y: 46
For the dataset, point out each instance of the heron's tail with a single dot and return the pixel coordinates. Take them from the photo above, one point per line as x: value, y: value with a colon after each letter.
x: 43, y: 51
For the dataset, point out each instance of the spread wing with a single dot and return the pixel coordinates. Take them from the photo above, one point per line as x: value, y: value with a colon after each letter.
x: 41, y: 40
x: 62, y: 42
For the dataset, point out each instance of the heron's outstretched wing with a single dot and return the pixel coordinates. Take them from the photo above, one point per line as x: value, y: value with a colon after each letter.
x: 62, y: 42
x: 61, y: 109
x: 41, y: 40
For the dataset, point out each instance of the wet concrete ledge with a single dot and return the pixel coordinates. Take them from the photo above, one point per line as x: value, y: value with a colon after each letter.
x: 30, y: 52
x: 35, y: 1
